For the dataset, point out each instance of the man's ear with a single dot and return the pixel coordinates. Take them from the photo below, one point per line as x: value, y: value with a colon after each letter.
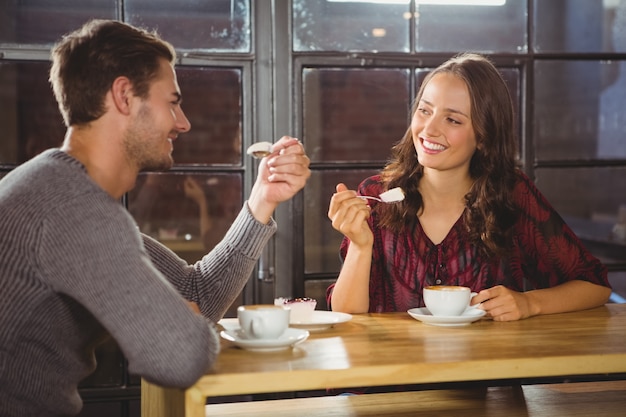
x: 122, y: 93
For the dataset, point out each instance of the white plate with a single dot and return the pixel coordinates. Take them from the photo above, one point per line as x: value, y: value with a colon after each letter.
x: 321, y: 320
x: 469, y: 316
x: 290, y: 338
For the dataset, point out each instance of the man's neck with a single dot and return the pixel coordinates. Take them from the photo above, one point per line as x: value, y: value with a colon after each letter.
x: 103, y: 159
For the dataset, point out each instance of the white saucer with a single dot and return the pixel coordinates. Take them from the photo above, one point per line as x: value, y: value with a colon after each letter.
x: 229, y: 324
x: 469, y: 316
x: 290, y: 338
x: 321, y: 320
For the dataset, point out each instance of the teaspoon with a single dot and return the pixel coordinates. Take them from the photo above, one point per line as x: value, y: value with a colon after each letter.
x: 260, y: 150
x: 391, y: 196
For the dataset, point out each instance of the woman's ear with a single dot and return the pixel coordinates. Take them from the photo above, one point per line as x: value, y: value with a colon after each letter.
x: 479, y: 145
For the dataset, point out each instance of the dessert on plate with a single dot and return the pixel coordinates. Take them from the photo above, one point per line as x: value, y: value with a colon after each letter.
x: 301, y: 308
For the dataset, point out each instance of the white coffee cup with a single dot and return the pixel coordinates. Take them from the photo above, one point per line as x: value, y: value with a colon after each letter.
x: 263, y: 321
x: 447, y: 300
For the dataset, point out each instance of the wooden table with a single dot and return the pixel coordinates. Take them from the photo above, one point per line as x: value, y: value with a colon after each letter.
x: 393, y: 348
x: 572, y: 399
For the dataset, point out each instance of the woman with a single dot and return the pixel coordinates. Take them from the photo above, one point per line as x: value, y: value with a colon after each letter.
x: 470, y: 216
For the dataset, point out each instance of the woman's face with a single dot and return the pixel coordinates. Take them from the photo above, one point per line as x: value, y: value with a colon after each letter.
x: 442, y: 130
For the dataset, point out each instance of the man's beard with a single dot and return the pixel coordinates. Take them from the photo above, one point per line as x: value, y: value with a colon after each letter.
x: 142, y: 143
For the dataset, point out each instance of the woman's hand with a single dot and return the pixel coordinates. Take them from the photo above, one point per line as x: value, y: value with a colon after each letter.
x: 348, y: 214
x: 503, y: 304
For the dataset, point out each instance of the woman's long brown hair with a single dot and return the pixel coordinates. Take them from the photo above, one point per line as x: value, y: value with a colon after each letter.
x: 490, y: 213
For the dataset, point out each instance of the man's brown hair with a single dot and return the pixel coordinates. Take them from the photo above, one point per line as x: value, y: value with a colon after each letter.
x: 87, y: 61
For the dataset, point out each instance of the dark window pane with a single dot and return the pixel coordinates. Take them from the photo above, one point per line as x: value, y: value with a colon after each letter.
x: 580, y: 26
x: 327, y: 25
x: 576, y: 122
x: 30, y: 117
x: 102, y: 409
x: 589, y: 200
x: 212, y: 103
x: 316, y: 288
x: 189, y: 213
x: 215, y: 25
x: 354, y: 114
x: 110, y: 369
x: 45, y: 21
x: 594, y: 192
x: 500, y: 27
x: 321, y: 251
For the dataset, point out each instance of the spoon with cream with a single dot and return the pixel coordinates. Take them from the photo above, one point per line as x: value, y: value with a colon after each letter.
x: 390, y: 196
x: 260, y: 150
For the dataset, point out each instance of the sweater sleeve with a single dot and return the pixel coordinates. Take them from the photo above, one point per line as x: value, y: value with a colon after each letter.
x: 218, y: 278
x: 91, y: 251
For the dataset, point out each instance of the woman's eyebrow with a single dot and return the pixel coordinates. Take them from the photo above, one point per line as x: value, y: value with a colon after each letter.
x: 449, y: 110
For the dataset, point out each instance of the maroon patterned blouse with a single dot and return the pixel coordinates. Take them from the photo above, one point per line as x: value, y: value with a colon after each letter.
x: 546, y: 252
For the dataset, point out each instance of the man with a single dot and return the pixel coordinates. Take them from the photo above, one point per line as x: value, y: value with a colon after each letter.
x: 74, y: 268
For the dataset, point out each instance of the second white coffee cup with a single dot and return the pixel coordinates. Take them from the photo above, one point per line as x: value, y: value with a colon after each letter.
x: 447, y: 300
x: 263, y: 321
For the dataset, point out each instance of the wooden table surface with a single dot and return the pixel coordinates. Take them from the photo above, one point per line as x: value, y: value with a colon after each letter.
x: 393, y: 348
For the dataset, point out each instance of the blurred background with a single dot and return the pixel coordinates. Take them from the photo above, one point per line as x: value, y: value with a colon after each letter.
x: 341, y: 76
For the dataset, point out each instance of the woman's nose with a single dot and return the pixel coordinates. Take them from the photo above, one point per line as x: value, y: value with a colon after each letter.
x: 431, y: 126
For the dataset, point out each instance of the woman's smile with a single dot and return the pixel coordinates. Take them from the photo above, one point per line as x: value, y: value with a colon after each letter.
x: 432, y: 147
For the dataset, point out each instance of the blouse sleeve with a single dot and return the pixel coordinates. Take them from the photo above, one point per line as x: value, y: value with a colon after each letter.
x: 551, y: 252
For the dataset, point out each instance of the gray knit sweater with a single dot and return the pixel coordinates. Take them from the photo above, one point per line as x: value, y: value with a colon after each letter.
x: 74, y: 269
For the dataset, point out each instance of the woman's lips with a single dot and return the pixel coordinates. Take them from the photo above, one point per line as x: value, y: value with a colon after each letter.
x: 432, y: 147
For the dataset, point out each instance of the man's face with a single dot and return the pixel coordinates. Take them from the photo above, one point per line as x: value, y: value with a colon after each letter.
x: 156, y: 123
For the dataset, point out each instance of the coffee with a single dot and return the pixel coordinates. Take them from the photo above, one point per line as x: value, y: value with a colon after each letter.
x: 447, y: 288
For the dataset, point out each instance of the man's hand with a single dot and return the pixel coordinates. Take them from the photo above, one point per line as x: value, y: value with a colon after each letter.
x: 281, y: 175
x: 193, y: 306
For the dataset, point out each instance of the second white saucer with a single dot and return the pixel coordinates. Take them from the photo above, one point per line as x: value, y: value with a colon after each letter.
x: 290, y: 338
x: 321, y: 320
x: 469, y: 316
